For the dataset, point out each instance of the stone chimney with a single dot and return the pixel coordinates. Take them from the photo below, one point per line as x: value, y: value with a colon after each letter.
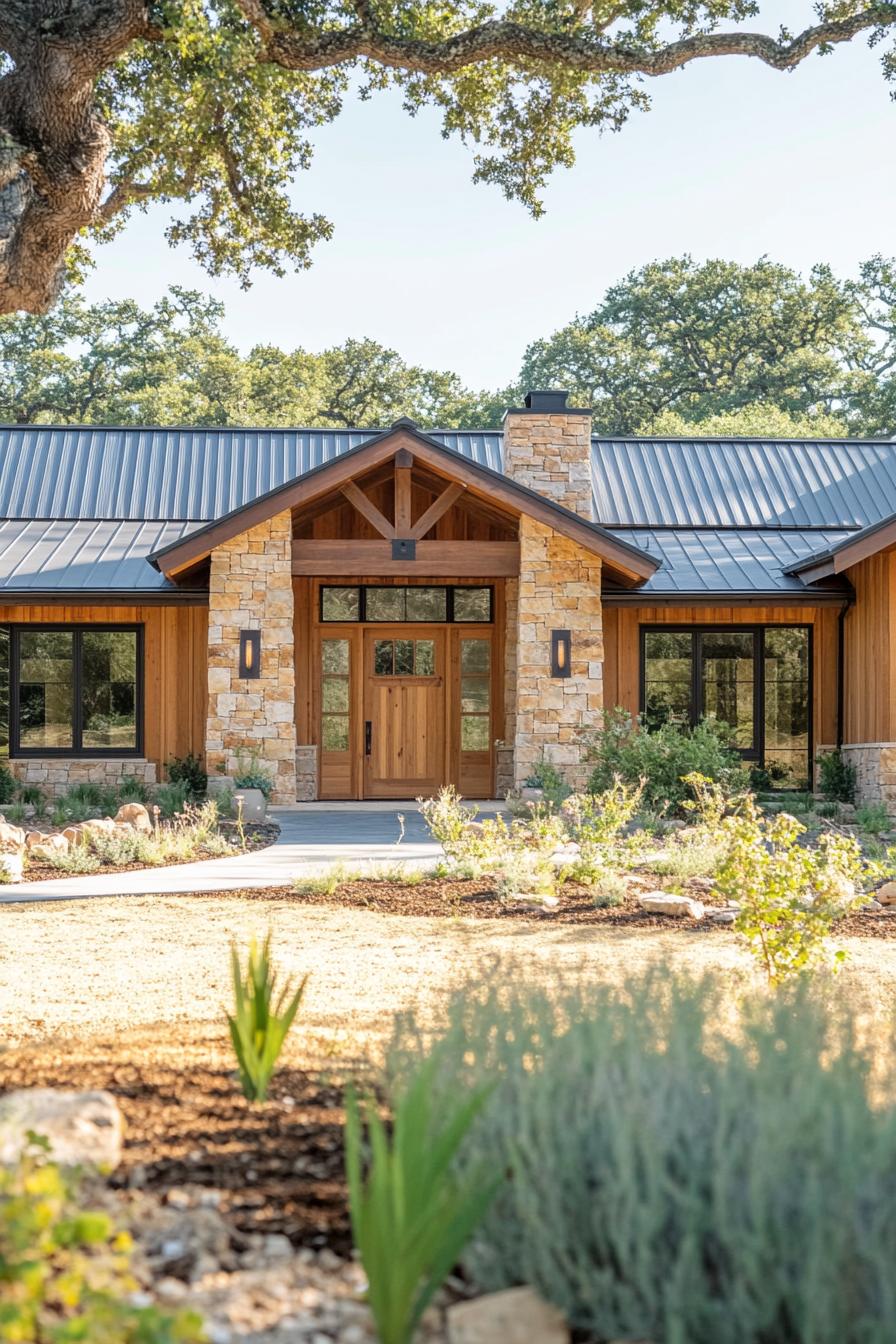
x: 547, y: 446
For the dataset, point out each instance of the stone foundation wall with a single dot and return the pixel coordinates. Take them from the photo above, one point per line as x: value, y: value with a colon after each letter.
x: 875, y: 767
x: 250, y: 588
x: 559, y: 588
x: 56, y: 776
x: 306, y: 774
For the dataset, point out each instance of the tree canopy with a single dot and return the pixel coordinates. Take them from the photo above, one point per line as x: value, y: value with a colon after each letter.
x: 108, y: 105
x: 677, y: 347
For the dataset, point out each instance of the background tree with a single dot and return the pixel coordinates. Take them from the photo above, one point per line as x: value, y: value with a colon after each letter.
x: 700, y: 340
x: 106, y: 105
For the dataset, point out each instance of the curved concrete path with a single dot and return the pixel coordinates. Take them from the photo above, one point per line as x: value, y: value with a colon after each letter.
x: 312, y: 837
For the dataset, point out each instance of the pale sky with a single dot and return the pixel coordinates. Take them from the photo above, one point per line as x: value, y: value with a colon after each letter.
x: 733, y: 161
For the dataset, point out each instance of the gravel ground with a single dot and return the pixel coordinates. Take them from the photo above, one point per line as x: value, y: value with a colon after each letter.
x: 97, y: 968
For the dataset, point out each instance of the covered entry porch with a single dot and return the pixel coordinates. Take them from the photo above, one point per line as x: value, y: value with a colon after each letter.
x: 402, y: 618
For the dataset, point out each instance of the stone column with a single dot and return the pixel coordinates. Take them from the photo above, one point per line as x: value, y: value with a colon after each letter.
x: 547, y: 447
x: 559, y: 589
x: 250, y: 588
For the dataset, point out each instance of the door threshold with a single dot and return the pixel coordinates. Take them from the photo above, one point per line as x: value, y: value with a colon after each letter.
x: 380, y: 805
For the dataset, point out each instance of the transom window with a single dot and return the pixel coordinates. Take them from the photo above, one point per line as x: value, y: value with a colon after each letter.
x: 433, y: 604
x: 70, y: 690
x: 755, y: 679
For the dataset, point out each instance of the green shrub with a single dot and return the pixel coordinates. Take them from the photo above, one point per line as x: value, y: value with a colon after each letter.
x: 669, y: 1182
x: 84, y: 801
x: 65, y: 1270
x: 622, y: 748
x: 836, y: 777
x: 548, y: 778
x: 189, y: 770
x: 790, y: 896
x: 251, y: 774
x: 31, y: 795
x: 172, y: 798
x: 133, y: 790
x: 608, y: 890
x: 260, y: 1021
x: 692, y: 854
x: 411, y: 1217
x: 7, y: 785
x: 874, y: 818
x: 593, y: 822
x: 448, y: 819
x: 79, y: 859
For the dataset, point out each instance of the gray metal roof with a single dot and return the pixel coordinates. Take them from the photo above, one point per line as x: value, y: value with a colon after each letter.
x: 746, y: 561
x: 798, y: 483
x: 82, y: 506
x: 56, y: 555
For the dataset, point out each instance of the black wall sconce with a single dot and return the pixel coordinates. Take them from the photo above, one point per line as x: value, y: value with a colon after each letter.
x: 250, y: 654
x: 561, y: 648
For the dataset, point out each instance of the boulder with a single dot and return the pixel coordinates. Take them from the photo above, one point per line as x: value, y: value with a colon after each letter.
x: 515, y: 1316
x: 33, y: 838
x: 664, y: 903
x: 886, y: 894
x: 74, y: 835
x: 49, y: 847
x: 83, y: 1128
x: 135, y: 815
x: 96, y: 826
x: 11, y: 867
x: 12, y: 838
x: 724, y: 916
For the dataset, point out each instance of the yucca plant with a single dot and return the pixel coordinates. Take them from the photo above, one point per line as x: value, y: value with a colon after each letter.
x: 410, y: 1216
x: 259, y: 1023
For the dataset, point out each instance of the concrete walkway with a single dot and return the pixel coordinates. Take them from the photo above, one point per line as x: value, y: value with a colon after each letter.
x: 312, y: 837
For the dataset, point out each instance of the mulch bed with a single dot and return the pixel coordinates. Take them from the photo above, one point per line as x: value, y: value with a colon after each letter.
x: 276, y: 1168
x: 259, y: 835
x: 443, y: 898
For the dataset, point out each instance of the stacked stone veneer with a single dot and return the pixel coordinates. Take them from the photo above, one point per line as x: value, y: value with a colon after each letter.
x: 250, y: 588
x: 551, y: 454
x: 56, y: 776
x: 559, y: 588
x: 875, y: 767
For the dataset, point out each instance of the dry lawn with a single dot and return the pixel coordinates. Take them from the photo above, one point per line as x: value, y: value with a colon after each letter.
x: 157, y: 967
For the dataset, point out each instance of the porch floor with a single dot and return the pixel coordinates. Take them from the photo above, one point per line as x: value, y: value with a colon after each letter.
x: 313, y: 836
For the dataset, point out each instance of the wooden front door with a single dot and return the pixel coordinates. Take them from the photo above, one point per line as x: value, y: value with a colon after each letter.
x: 405, y: 679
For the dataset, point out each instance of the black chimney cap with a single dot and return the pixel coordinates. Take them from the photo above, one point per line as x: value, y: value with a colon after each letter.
x: 551, y: 400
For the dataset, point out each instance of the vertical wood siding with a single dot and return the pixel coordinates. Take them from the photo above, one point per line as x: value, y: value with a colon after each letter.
x: 869, y: 650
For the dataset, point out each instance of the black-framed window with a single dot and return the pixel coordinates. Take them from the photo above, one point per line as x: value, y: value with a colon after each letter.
x: 72, y: 690
x: 434, y: 604
x: 757, y: 679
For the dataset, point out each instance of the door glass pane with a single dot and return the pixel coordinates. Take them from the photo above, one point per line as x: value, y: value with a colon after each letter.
x: 385, y: 604
x: 383, y: 654
x: 475, y: 655
x: 46, y: 683
x: 427, y: 604
x: 472, y: 604
x: 727, y: 671
x: 340, y: 604
x: 475, y: 695
x: 109, y: 690
x: 424, y: 657
x: 404, y: 657
x: 786, y: 678
x: 335, y: 684
x: 474, y: 732
x: 668, y: 668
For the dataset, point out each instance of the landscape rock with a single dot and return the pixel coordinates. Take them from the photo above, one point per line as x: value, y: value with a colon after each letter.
x: 871, y: 907
x: 33, y: 838
x: 49, y: 847
x: 886, y: 894
x: 74, y: 835
x: 83, y: 1128
x: 12, y: 838
x: 97, y: 826
x: 724, y: 916
x: 12, y: 867
x: 515, y: 1316
x: 664, y: 903
x: 135, y: 815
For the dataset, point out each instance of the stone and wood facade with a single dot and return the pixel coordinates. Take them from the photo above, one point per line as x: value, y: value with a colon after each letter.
x: 407, y: 604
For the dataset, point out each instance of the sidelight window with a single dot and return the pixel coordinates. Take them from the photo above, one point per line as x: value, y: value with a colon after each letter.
x: 71, y: 690
x: 756, y: 680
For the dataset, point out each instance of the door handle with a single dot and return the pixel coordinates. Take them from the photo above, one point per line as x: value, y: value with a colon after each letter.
x: 368, y: 736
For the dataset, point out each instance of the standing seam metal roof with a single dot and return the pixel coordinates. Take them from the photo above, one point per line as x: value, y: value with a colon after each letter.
x: 82, y: 506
